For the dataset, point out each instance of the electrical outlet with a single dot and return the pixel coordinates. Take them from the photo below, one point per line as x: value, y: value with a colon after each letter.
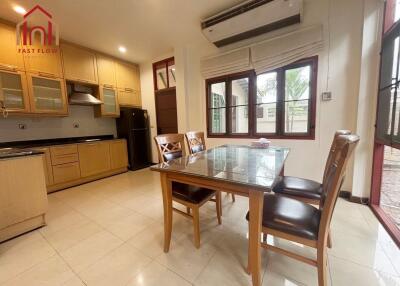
x: 22, y: 126
x: 76, y: 125
x: 326, y: 96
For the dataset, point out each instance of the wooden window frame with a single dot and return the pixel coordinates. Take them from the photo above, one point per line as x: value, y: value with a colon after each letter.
x: 252, y: 106
x: 165, y: 63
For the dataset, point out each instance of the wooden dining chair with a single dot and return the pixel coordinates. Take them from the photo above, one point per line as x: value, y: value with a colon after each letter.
x: 196, y: 143
x: 308, y: 191
x: 171, y: 146
x: 297, y: 221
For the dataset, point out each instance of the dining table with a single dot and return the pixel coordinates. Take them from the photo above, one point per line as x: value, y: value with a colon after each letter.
x: 239, y: 169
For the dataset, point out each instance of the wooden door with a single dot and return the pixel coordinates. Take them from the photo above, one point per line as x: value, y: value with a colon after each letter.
x: 14, y: 90
x: 167, y: 119
x: 94, y: 158
x: 10, y: 59
x: 106, y: 71
x: 47, y: 95
x: 79, y: 64
x: 118, y: 154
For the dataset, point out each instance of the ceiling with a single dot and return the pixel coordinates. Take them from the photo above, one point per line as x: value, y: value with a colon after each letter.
x: 147, y: 28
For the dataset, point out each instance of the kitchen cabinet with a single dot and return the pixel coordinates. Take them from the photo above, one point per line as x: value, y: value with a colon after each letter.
x: 47, y: 95
x: 66, y: 172
x: 106, y: 71
x: 44, y: 64
x: 118, y: 154
x: 129, y: 97
x: 79, y: 64
x: 94, y: 158
x: 23, y: 202
x: 127, y: 76
x: 14, y: 90
x: 110, y: 106
x: 10, y: 58
x: 48, y: 168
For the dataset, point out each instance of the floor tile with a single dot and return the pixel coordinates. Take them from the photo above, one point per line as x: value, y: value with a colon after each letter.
x: 51, y: 272
x: 348, y: 273
x: 155, y: 274
x: 117, y: 268
x: 90, y: 250
x: 20, y: 254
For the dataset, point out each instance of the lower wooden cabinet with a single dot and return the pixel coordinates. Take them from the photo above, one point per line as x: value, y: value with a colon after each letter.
x: 66, y: 172
x: 118, y: 154
x: 47, y: 166
x: 94, y: 158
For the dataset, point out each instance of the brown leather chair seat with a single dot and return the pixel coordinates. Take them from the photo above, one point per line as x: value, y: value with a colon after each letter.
x: 298, y: 187
x: 290, y: 216
x: 190, y: 193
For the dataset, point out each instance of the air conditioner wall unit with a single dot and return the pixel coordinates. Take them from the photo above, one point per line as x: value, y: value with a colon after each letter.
x: 250, y: 19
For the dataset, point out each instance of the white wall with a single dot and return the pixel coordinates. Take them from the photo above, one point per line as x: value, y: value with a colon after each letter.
x: 339, y: 71
x: 57, y: 127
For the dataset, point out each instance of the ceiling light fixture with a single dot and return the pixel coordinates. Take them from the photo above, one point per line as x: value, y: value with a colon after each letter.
x: 20, y: 10
x: 122, y: 49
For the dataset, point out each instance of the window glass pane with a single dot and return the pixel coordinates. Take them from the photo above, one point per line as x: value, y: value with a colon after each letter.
x: 266, y: 118
x: 297, y: 94
x: 265, y: 108
x: 392, y: 13
x: 266, y: 87
x: 218, y: 98
x: 386, y: 99
x: 296, y: 116
x: 389, y: 63
x: 240, y: 92
x: 240, y: 119
x: 297, y: 83
x: 161, y: 73
x: 171, y: 73
x: 218, y: 120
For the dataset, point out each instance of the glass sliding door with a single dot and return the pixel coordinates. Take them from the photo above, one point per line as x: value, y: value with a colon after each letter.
x: 385, y: 193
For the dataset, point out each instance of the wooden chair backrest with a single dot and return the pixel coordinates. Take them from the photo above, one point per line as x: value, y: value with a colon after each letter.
x: 333, y: 149
x: 195, y: 141
x: 335, y: 172
x: 170, y: 146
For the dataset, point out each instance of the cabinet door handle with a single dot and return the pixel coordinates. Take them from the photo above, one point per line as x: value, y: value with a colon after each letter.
x: 45, y: 74
x: 108, y: 85
x: 65, y: 166
x: 8, y: 67
x: 128, y: 89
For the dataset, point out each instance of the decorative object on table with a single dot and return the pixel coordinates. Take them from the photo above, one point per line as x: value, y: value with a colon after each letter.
x: 261, y: 143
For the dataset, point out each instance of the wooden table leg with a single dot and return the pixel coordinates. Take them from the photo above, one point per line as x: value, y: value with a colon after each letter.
x: 166, y: 186
x: 256, y: 201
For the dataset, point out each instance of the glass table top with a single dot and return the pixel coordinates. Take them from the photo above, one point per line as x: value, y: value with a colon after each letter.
x: 241, y: 164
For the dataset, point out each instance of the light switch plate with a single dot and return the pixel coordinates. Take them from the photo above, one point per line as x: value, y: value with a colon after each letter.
x: 22, y: 126
x: 326, y: 96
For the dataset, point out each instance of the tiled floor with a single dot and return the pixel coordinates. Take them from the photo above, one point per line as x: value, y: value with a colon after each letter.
x: 110, y: 232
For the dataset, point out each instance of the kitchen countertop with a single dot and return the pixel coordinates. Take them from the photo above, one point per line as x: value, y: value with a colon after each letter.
x: 7, y: 153
x: 55, y: 141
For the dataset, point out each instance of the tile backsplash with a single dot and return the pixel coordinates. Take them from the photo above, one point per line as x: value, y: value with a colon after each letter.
x: 80, y: 122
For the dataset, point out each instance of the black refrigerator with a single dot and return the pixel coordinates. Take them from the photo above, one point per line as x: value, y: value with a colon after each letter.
x: 133, y: 125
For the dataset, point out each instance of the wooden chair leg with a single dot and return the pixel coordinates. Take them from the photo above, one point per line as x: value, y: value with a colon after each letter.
x: 322, y: 266
x: 233, y: 198
x: 218, y: 206
x: 329, y: 239
x: 196, y: 226
x: 188, y: 210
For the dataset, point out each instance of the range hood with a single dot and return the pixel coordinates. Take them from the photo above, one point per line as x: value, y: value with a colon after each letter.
x: 80, y: 98
x: 82, y: 95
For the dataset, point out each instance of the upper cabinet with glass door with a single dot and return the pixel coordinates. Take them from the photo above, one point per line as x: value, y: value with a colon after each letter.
x: 164, y: 74
x: 110, y: 107
x: 14, y: 91
x: 47, y: 95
